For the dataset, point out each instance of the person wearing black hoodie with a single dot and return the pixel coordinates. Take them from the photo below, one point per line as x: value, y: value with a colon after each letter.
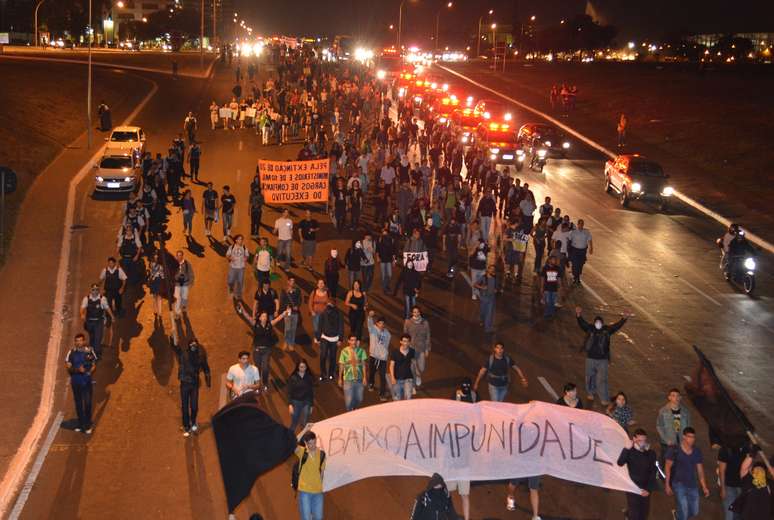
x: 190, y: 362
x: 434, y: 503
x: 597, y: 348
x: 300, y: 395
x: 411, y: 280
x: 329, y: 335
x: 640, y: 461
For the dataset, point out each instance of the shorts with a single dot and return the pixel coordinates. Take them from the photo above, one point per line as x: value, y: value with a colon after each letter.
x: 460, y: 486
x: 531, y: 482
x: 513, y: 257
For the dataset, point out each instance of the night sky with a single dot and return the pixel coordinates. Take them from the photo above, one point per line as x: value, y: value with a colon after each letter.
x: 367, y: 20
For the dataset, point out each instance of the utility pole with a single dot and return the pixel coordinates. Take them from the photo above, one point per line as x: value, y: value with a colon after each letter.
x: 201, y: 37
x: 214, y: 21
x: 88, y: 87
x: 40, y: 2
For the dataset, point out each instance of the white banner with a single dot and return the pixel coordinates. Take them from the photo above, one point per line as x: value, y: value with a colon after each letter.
x: 483, y: 441
x: 420, y: 260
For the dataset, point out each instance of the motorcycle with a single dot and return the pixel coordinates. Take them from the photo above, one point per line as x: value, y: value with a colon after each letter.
x: 738, y: 270
x: 538, y: 160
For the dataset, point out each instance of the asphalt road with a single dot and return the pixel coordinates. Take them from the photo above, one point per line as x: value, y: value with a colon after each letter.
x: 137, y: 464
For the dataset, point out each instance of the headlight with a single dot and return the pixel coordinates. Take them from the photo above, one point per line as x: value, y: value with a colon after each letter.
x: 418, y: 99
x: 493, y: 157
x: 508, y: 117
x: 127, y: 179
x: 520, y: 157
x: 636, y: 187
x: 464, y: 138
x: 487, y: 115
x: 668, y: 191
x: 520, y: 152
x: 749, y: 264
x: 100, y: 179
x: 548, y: 143
x: 442, y: 120
x: 541, y: 153
x: 566, y: 145
x: 380, y: 74
x: 494, y: 150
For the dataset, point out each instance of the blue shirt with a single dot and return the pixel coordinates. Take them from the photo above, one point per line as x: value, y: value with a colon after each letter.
x: 80, y: 358
x: 684, y: 466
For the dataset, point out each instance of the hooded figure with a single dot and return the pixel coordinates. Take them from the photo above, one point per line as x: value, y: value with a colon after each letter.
x: 434, y: 503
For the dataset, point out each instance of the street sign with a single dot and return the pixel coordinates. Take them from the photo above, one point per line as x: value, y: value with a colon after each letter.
x: 8, y: 179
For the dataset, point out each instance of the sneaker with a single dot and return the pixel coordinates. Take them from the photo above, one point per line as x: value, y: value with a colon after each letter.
x: 88, y: 432
x: 370, y: 388
x: 418, y: 381
x: 590, y: 397
x: 474, y: 297
x: 77, y: 430
x: 322, y: 378
x: 195, y: 428
x: 510, y: 504
x: 414, y: 391
x: 382, y: 398
x: 186, y: 433
x: 330, y: 378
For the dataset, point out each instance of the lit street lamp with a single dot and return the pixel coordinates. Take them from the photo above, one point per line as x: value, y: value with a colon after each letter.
x: 37, y: 42
x: 478, y: 41
x: 438, y: 22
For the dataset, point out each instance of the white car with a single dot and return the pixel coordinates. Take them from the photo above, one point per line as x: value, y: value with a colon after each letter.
x: 125, y: 140
x: 116, y: 173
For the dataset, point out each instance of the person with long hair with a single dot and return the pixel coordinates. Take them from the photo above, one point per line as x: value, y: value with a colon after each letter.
x: 156, y: 278
x: 356, y: 303
x: 300, y: 394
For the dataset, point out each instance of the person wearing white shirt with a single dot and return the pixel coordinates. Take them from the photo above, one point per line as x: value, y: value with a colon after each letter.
x: 243, y: 376
x: 283, y: 227
x: 236, y: 255
x: 580, y: 244
x: 388, y: 176
x: 562, y: 236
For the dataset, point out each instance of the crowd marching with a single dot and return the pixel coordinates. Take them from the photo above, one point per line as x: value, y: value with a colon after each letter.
x: 416, y: 204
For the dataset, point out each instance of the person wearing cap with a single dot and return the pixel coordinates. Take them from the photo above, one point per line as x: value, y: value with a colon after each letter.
x: 190, y: 362
x: 434, y: 503
x: 597, y: 348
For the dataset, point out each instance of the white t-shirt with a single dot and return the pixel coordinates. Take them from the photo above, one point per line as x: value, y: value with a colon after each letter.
x: 564, y: 237
x: 580, y: 238
x: 243, y: 377
x: 362, y: 163
x: 238, y: 256
x: 388, y: 174
x: 263, y: 262
x: 284, y: 227
x: 121, y: 273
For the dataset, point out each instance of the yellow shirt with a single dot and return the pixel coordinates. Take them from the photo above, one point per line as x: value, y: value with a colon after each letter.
x: 310, y: 476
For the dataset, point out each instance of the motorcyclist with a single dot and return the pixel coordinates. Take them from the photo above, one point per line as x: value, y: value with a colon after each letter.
x: 738, y: 249
x: 725, y: 240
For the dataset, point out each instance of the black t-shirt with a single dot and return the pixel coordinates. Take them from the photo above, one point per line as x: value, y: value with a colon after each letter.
x: 733, y: 458
x: 210, y: 196
x: 403, y: 363
x: 228, y: 202
x: 498, y: 369
x: 309, y: 229
x: 452, y: 234
x: 757, y: 502
x: 266, y: 301
x: 263, y: 336
x: 550, y: 276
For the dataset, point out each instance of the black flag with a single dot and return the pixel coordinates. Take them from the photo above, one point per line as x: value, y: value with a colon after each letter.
x: 249, y: 443
x: 727, y: 423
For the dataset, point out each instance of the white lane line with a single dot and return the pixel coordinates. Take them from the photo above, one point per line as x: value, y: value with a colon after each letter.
x: 686, y: 199
x: 29, y: 444
x: 598, y: 223
x: 24, y: 494
x: 548, y: 388
x: 465, y: 277
x: 223, y: 392
x: 595, y: 294
x: 710, y: 298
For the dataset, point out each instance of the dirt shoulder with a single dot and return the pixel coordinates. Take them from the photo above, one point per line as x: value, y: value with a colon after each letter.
x: 710, y: 131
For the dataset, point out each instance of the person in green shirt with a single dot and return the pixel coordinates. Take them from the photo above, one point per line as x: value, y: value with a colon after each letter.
x: 352, y: 373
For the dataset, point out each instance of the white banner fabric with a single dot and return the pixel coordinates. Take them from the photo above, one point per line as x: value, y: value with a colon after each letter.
x: 420, y: 260
x: 483, y: 441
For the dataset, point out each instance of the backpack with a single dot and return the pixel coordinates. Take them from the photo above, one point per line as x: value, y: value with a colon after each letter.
x: 300, y: 464
x: 490, y: 362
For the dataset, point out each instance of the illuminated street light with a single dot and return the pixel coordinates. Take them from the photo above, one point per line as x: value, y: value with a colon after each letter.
x: 494, y: 26
x: 562, y: 22
x: 532, y: 18
x: 478, y: 43
x: 392, y: 27
x: 144, y: 19
x: 438, y: 24
x: 120, y: 4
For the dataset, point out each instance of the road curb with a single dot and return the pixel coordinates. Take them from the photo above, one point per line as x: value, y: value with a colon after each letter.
x: 761, y: 242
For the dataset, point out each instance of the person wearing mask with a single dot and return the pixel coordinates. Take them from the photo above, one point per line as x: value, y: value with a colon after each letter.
x: 411, y: 281
x: 353, y: 377
x: 570, y: 397
x: 497, y: 367
x: 378, y: 353
x: 640, y: 462
x: 190, y: 362
x: 331, y: 270
x: 329, y: 334
x: 671, y: 421
x: 756, y: 487
x: 434, y: 503
x: 580, y: 243
x: 300, y: 395
x: 597, y: 348
x: 80, y: 363
x: 684, y: 474
x: 290, y: 299
x: 94, y: 312
x: 419, y: 329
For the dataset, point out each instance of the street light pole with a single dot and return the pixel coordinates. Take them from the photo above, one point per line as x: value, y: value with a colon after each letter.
x: 478, y: 41
x: 438, y: 24
x: 88, y: 87
x: 214, y: 21
x: 400, y: 22
x: 40, y: 2
x: 201, y: 37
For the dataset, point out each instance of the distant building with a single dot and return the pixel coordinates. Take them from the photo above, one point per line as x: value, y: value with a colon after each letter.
x: 760, y: 40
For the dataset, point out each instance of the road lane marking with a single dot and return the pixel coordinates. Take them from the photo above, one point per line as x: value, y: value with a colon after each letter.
x: 600, y: 224
x: 710, y: 298
x: 29, y: 445
x: 223, y: 392
x: 548, y: 388
x: 594, y: 293
x: 593, y: 144
x: 24, y: 494
x: 465, y: 277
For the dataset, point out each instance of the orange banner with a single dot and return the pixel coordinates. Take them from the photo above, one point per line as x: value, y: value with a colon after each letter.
x: 294, y: 182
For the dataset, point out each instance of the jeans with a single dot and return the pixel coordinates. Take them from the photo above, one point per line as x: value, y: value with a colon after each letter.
x: 96, y: 329
x: 310, y: 505
x: 315, y: 323
x: 368, y: 277
x: 385, y: 272
x: 82, y: 394
x: 188, y: 222
x: 328, y: 358
x: 181, y: 298
x: 487, y: 312
x: 300, y: 414
x: 236, y: 281
x: 550, y: 297
x: 291, y: 325
x: 687, y: 500
x: 475, y: 276
x: 377, y: 366
x: 486, y: 223
x: 403, y: 390
x: 352, y: 276
x: 578, y: 258
x: 228, y: 222
x: 637, y: 507
x: 731, y: 494
x: 262, y: 356
x: 409, y: 300
x: 497, y: 393
x: 283, y: 250
x: 596, y: 378
x: 189, y: 401
x: 353, y: 394
x: 420, y: 366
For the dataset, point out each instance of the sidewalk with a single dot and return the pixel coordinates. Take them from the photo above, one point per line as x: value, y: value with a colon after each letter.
x: 29, y: 281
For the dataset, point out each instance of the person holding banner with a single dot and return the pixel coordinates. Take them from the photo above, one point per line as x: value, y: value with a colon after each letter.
x: 435, y: 502
x: 640, y: 461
